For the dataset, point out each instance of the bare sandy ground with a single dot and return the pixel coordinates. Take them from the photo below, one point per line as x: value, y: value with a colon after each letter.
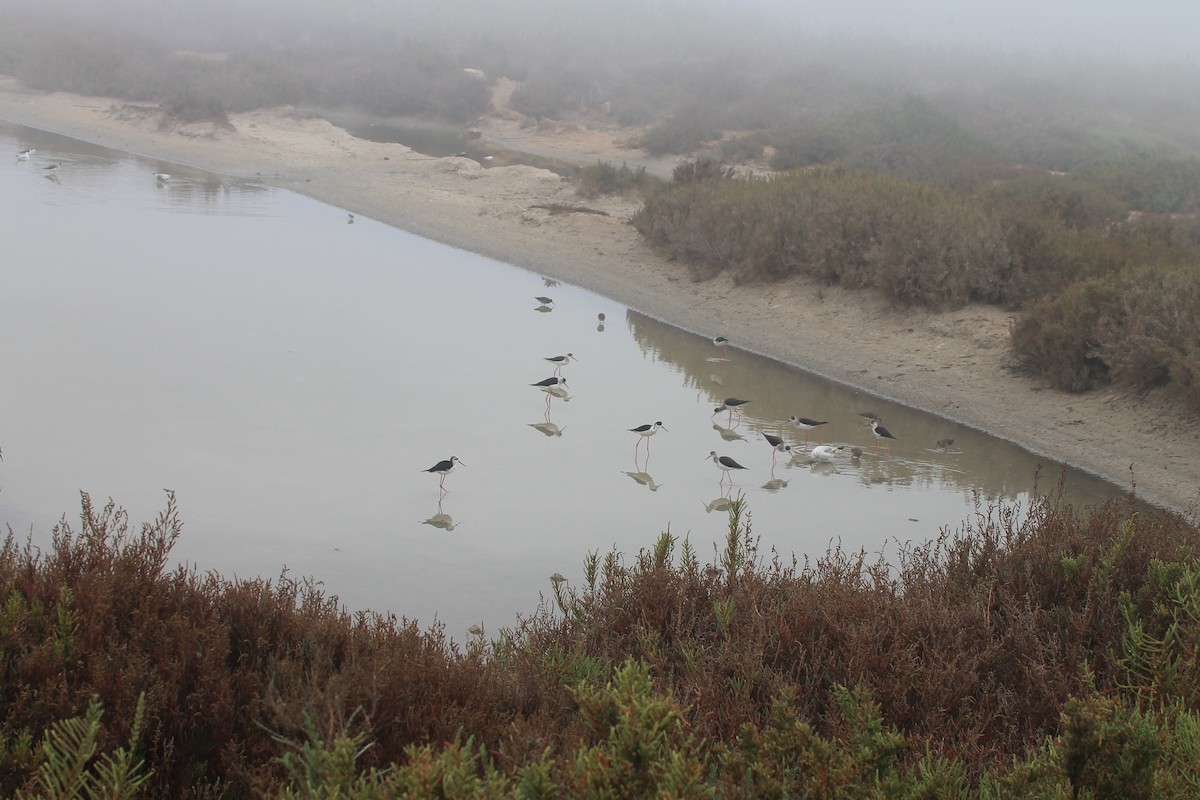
x: 956, y: 364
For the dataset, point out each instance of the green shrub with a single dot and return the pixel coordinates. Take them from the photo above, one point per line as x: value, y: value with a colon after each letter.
x: 1059, y: 337
x: 540, y: 99
x: 681, y: 132
x: 1155, y: 339
x: 743, y: 148
x: 603, y: 178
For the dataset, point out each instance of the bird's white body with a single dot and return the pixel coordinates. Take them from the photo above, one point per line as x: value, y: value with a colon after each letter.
x: 825, y: 453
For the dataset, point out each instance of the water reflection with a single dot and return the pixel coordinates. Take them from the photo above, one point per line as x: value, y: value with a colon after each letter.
x: 645, y: 479
x: 996, y: 468
x: 729, y: 434
x: 547, y: 428
x: 441, y: 519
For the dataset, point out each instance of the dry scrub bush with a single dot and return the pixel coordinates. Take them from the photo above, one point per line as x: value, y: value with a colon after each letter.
x: 963, y: 654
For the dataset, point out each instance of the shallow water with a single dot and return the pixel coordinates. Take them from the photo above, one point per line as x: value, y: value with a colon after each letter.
x: 289, y: 375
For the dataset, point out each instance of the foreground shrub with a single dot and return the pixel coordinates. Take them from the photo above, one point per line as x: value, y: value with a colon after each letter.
x: 944, y: 671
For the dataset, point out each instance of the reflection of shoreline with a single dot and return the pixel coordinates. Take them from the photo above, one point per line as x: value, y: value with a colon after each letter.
x: 995, y: 468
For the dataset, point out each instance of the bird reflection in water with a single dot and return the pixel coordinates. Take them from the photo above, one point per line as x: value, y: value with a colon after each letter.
x: 728, y: 434
x: 644, y: 479
x: 775, y: 484
x: 823, y: 468
x: 546, y: 427
x: 720, y: 504
x: 441, y: 520
x: 600, y: 322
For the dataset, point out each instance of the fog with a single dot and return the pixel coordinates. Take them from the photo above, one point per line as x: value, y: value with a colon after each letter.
x: 1154, y: 30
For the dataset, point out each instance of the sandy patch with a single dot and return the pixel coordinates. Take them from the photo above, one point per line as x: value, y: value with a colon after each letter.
x: 956, y: 364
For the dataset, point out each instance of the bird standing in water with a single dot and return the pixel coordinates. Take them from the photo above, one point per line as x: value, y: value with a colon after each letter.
x: 725, y: 464
x: 444, y: 468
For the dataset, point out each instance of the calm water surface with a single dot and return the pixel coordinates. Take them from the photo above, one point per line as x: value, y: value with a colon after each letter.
x: 289, y: 375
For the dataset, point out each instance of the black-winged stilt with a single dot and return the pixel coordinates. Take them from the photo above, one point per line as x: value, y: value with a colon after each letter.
x: 777, y: 446
x: 645, y: 432
x: 943, y: 445
x: 548, y: 382
x: 561, y: 361
x: 162, y: 177
x: 349, y: 219
x: 25, y: 154
x: 731, y: 405
x: 725, y: 464
x: 881, y: 434
x: 805, y: 424
x: 720, y: 341
x: 52, y: 168
x: 444, y: 468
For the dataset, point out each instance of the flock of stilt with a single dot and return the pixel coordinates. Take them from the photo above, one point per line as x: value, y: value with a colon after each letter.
x: 556, y: 386
x: 51, y: 170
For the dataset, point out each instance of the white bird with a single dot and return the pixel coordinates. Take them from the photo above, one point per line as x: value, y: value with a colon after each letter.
x: 825, y: 452
x: 25, y: 154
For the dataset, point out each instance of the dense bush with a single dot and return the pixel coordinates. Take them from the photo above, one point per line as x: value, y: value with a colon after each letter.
x: 1059, y: 336
x: 948, y: 668
x: 916, y: 244
x: 681, y: 132
x: 603, y: 178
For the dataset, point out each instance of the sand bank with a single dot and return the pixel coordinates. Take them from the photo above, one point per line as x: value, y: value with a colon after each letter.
x: 956, y: 364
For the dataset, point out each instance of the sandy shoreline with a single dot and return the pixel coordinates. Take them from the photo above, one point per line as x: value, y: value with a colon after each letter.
x: 955, y: 364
